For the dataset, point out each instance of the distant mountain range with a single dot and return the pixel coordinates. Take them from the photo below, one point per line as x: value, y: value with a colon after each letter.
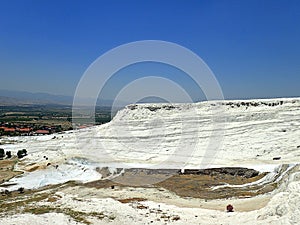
x: 12, y: 98
x: 23, y: 98
x: 8, y: 97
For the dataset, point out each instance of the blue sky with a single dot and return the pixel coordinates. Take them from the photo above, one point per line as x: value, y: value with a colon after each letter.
x: 253, y: 47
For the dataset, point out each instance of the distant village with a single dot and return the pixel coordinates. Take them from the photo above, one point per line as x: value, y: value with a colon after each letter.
x: 11, y: 129
x: 43, y: 120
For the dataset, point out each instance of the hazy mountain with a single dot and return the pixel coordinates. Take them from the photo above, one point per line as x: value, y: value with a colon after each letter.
x: 34, y: 98
x: 8, y: 97
x: 7, y: 101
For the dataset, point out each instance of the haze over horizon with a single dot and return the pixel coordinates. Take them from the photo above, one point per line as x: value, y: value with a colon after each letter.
x: 251, y: 46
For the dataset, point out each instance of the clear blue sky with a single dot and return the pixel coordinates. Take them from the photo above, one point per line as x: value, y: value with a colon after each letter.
x: 253, y: 47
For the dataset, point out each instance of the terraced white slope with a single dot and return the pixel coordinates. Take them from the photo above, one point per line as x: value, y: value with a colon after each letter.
x: 252, y: 135
x: 166, y: 136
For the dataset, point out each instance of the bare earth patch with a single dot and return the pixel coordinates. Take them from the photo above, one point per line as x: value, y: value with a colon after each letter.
x: 7, y: 169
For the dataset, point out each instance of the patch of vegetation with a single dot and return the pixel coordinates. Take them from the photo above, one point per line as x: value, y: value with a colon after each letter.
x: 128, y: 200
x: 76, y: 215
x: 22, y: 153
x: 26, y: 204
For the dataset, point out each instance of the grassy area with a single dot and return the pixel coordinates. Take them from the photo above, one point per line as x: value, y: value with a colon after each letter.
x: 16, y: 203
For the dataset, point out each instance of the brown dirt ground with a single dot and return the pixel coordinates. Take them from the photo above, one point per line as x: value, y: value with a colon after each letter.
x: 7, y: 169
x: 192, y: 185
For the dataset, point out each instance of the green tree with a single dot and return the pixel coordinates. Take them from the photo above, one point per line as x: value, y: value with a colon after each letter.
x: 8, y: 154
x: 2, y: 153
x: 21, y: 153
